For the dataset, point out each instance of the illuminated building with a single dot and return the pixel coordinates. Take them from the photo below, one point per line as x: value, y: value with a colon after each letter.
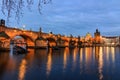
x: 88, y: 37
x: 113, y: 41
x: 97, y: 37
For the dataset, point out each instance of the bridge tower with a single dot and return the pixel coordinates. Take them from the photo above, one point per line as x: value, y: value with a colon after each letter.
x: 2, y: 25
x: 2, y: 22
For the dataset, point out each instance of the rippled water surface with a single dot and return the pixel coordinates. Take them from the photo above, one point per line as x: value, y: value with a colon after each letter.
x: 91, y: 63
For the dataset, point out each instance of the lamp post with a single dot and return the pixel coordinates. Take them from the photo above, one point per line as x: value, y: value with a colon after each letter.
x: 24, y: 27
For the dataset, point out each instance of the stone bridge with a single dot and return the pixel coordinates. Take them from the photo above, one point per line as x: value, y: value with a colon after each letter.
x: 33, y: 38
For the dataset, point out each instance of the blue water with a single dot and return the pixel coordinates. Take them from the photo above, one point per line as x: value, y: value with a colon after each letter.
x: 91, y: 63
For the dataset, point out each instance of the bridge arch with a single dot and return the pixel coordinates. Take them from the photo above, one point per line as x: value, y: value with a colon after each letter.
x: 52, y: 41
x: 28, y: 39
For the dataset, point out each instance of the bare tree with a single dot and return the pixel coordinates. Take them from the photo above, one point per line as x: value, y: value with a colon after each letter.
x: 15, y: 6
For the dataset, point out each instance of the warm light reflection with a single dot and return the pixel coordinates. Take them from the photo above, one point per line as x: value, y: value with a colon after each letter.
x: 100, y: 64
x: 97, y: 53
x: 97, y: 50
x: 81, y: 54
x: 74, y: 58
x: 74, y: 55
x: 11, y: 64
x: 107, y: 53
x: 113, y: 53
x: 81, y: 60
x: 22, y: 69
x: 93, y: 50
x: 30, y: 56
x: 66, y: 51
x: 87, y: 54
x: 49, y: 62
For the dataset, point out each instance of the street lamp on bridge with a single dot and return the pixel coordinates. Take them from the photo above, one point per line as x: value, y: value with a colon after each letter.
x: 24, y: 27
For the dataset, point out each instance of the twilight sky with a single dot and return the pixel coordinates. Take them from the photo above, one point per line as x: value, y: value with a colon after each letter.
x: 75, y: 17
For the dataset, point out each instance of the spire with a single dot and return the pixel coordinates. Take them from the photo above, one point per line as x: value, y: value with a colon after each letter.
x: 96, y: 30
x: 78, y: 38
x: 40, y: 32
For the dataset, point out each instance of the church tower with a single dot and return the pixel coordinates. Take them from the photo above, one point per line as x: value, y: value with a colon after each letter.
x: 97, y: 36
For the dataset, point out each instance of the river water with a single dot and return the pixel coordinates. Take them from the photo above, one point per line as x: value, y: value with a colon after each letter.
x: 90, y: 63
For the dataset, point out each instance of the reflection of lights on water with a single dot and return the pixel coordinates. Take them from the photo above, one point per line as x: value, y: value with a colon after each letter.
x: 100, y: 64
x: 87, y: 54
x: 22, y: 69
x: 113, y: 53
x: 74, y: 55
x: 107, y: 53
x: 74, y: 58
x: 93, y: 50
x: 66, y: 51
x: 81, y: 54
x: 81, y: 60
x: 65, y: 60
x: 49, y: 62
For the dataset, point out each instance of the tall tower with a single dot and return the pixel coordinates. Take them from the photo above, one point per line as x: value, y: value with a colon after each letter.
x: 97, y: 36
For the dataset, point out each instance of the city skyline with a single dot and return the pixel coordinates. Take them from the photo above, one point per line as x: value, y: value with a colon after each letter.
x: 73, y: 17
